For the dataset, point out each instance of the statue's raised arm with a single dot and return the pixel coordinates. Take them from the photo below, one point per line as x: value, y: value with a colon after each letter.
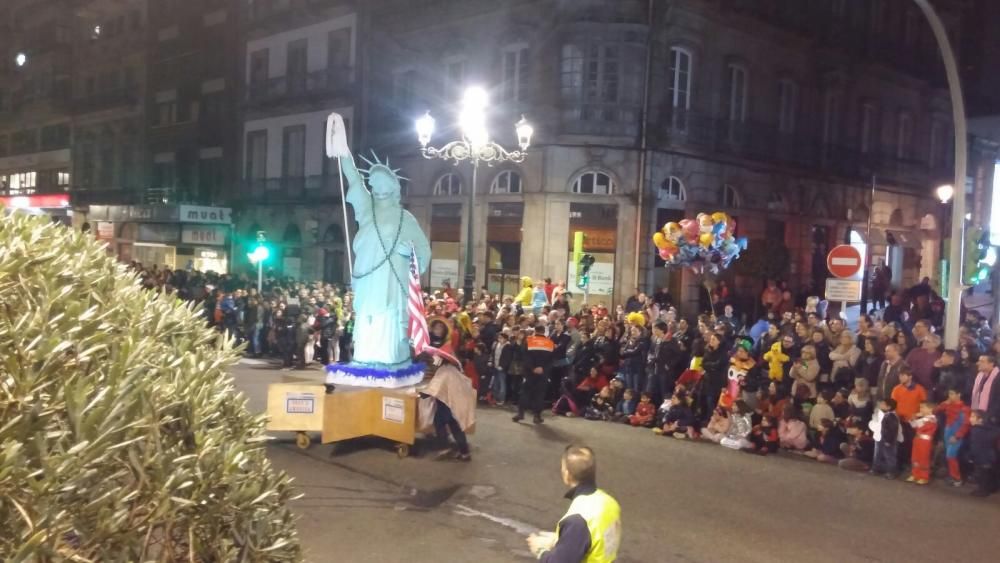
x: 336, y: 147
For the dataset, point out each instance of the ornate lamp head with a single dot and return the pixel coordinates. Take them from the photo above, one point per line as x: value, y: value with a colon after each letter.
x: 382, y: 179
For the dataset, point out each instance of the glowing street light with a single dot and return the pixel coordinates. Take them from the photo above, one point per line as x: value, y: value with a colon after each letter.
x: 945, y: 192
x: 476, y: 146
x: 21, y: 59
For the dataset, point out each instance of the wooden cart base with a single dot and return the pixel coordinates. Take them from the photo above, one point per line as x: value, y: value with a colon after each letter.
x: 348, y: 412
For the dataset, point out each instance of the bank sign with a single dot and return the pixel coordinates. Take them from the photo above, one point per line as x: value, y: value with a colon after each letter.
x: 205, y: 214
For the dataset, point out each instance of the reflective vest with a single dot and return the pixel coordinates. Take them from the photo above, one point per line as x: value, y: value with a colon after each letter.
x: 603, y: 517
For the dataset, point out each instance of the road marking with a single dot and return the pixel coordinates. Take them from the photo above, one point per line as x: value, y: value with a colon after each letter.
x: 516, y: 525
x: 253, y: 362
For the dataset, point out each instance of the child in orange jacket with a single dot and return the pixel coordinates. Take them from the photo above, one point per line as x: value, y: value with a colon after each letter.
x: 645, y: 411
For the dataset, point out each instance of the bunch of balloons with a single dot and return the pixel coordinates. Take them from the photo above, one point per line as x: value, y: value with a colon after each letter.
x: 705, y: 243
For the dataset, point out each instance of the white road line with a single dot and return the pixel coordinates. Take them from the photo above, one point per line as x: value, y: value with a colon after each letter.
x: 517, y: 526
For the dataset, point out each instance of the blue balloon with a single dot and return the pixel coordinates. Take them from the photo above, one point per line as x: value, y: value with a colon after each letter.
x: 742, y: 243
x: 719, y: 229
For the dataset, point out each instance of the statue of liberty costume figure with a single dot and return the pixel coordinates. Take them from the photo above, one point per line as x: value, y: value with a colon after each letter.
x: 387, y: 236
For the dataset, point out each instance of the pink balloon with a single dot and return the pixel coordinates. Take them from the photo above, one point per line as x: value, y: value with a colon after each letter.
x: 666, y: 254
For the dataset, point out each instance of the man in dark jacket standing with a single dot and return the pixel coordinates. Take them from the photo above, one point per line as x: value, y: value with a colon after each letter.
x: 888, y: 375
x: 660, y: 362
x: 327, y: 326
x: 538, y: 358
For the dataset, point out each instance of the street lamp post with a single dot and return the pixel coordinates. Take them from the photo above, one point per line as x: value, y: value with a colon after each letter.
x: 258, y: 256
x: 476, y: 147
x: 945, y: 193
x: 954, y: 304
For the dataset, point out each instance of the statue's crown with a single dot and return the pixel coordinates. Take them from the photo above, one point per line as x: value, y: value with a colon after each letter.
x: 379, y: 166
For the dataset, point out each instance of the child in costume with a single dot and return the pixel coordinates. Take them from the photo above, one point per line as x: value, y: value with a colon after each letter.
x: 764, y: 437
x: 601, y: 406
x: 539, y: 299
x: 645, y: 411
x: 792, y: 433
x: 925, y: 424
x: 740, y: 424
x: 525, y: 296
x: 956, y: 427
x: 776, y: 360
x: 739, y: 365
x: 983, y: 450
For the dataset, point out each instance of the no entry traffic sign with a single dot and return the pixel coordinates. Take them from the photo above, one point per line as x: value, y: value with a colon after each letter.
x: 844, y: 261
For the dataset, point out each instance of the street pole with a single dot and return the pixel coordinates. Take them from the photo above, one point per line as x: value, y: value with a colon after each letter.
x: 866, y: 273
x: 953, y: 306
x: 260, y: 277
x: 470, y: 278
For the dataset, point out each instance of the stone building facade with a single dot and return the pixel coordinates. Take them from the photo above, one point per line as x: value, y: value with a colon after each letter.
x: 779, y: 113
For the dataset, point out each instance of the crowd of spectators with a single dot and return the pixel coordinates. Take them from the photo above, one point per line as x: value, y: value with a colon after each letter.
x: 885, y: 398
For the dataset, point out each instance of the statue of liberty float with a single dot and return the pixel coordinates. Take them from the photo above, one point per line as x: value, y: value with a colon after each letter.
x: 387, y: 239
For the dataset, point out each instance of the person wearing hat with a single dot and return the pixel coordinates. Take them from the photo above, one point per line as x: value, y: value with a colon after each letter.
x: 538, y: 358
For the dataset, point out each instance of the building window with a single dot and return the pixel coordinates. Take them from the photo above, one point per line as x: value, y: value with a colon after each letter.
x: 571, y: 71
x: 592, y: 75
x: 106, y: 171
x: 164, y: 174
x: 788, y: 105
x: 904, y: 136
x: 293, y: 152
x: 730, y: 197
x: 831, y: 118
x: 259, y: 66
x: 448, y: 184
x: 454, y: 75
x: 403, y: 92
x: 672, y: 189
x: 597, y: 183
x: 166, y: 112
x: 932, y: 153
x: 515, y: 73
x: 680, y: 78
x: 62, y: 179
x: 256, y: 161
x: 338, y: 55
x: 22, y: 183
x: 869, y: 121
x: 506, y: 182
x: 209, y: 177
x: 296, y: 66
x: 776, y: 202
x: 737, y: 93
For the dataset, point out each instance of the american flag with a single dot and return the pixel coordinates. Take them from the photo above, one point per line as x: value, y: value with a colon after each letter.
x: 419, y: 333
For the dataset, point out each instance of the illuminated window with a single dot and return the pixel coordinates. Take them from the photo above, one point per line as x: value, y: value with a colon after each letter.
x: 506, y: 182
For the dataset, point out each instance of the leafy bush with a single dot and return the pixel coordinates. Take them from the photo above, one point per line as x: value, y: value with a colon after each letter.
x: 121, y: 435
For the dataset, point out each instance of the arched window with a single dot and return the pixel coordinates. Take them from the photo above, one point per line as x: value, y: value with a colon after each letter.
x: 333, y: 234
x: 292, y: 234
x: 776, y: 202
x: 730, y: 197
x: 672, y: 189
x: 448, y: 184
x: 506, y: 182
x: 597, y: 183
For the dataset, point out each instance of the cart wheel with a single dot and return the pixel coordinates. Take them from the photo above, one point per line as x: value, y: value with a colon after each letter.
x: 303, y: 440
x: 402, y: 450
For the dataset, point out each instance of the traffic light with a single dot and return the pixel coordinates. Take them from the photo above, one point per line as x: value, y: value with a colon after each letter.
x: 980, y: 257
x: 578, y: 238
x: 261, y: 252
x: 583, y: 269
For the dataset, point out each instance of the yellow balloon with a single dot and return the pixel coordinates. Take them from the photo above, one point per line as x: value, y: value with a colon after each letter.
x: 706, y: 239
x: 659, y: 240
x: 719, y: 217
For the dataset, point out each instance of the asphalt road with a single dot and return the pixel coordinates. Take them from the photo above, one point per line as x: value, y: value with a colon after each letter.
x: 681, y: 501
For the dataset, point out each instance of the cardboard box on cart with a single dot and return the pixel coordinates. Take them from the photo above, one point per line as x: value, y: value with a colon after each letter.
x: 348, y: 412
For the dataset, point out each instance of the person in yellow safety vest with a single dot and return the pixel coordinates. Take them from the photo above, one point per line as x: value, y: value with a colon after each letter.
x: 591, y: 530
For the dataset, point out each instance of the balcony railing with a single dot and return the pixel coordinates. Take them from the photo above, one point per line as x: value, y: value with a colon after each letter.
x: 765, y: 142
x: 314, y: 188
x: 326, y: 82
x: 105, y: 100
